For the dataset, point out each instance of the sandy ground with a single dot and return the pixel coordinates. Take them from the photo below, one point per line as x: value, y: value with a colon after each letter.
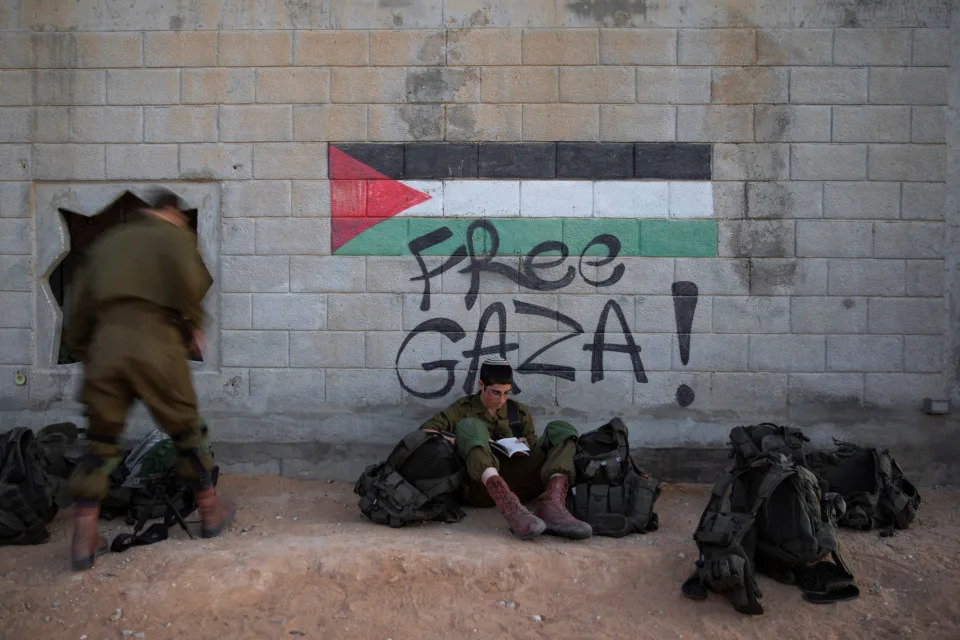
x: 300, y: 561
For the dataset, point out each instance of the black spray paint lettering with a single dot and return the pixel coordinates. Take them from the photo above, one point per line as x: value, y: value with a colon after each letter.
x: 685, y: 296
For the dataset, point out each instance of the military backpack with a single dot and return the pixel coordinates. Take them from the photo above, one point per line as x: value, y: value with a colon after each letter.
x: 26, y: 496
x: 418, y: 481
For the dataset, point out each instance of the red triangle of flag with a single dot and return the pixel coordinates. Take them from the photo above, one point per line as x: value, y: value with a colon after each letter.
x: 361, y: 197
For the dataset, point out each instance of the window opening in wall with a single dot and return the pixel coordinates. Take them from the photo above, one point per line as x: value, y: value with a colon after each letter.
x: 83, y: 231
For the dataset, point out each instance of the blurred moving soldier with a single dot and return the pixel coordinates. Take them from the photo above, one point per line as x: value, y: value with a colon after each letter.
x: 141, y: 286
x: 493, y: 478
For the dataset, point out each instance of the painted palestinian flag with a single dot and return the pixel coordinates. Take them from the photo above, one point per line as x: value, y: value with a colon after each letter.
x: 655, y: 198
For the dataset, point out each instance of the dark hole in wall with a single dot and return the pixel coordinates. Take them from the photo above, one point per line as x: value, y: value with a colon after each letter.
x: 83, y: 231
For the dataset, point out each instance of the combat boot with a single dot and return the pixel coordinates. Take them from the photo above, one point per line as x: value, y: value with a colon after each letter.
x: 552, y: 510
x: 522, y: 523
x: 87, y: 543
x: 216, y: 512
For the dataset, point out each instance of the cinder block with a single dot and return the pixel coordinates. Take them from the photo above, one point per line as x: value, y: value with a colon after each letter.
x: 691, y: 199
x: 715, y: 124
x: 782, y: 123
x: 560, y: 46
x: 395, y: 275
x: 16, y: 309
x: 830, y: 389
x: 540, y: 198
x: 254, y: 348
x: 864, y: 353
x: 106, y: 124
x: 324, y: 274
x: 16, y: 272
x: 631, y: 199
x: 16, y: 51
x: 311, y: 199
x: 290, y: 161
x: 597, y: 84
x: 69, y: 162
x: 17, y: 88
x: 380, y: 349
x: 180, y: 49
x: 714, y: 352
x: 180, y: 124
x: 255, y: 48
x: 613, y: 392
x: 755, y: 314
x: 143, y: 86
x: 723, y: 277
x: 925, y: 277
x: 627, y: 123
x: 293, y: 85
x: 328, y: 349
x: 74, y: 49
x: 931, y: 47
x: 784, y: 200
x: 292, y: 311
x: 219, y: 86
x: 908, y: 240
x: 320, y: 48
x: 871, y: 47
x: 923, y: 354
x: 787, y: 353
x: 901, y: 390
x: 293, y: 236
x: 756, y: 238
x: 256, y: 123
x: 905, y: 162
x: 526, y: 323
x: 14, y: 199
x: 828, y: 162
x: 330, y: 122
x: 751, y: 162
x: 478, y: 198
x: 142, y: 161
x: 438, y: 84
x: 15, y: 346
x: 922, y: 201
x: 407, y: 47
x: 638, y: 46
x: 867, y: 278
x: 268, y: 274
x: 236, y: 310
x: 766, y: 392
x: 794, y: 47
x: 673, y: 85
x: 834, y: 239
x: 217, y: 161
x: 16, y: 124
x: 405, y: 122
x: 861, y: 200
x: 657, y: 313
x: 453, y: 281
x: 769, y: 277
x: 51, y: 124
x: 255, y: 198
x: 15, y: 162
x: 729, y: 200
x: 63, y: 87
x: 928, y: 124
x: 370, y: 312
x: 483, y: 122
x: 483, y: 47
x: 812, y: 85
x: 915, y: 85
x: 750, y: 85
x: 15, y: 236
x: 828, y: 315
x: 363, y: 387
x: 519, y: 84
x: 871, y: 124
x: 717, y: 47
x: 441, y: 305
x: 367, y: 84
x: 561, y: 122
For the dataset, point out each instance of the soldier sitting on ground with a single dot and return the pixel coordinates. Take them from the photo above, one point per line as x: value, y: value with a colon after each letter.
x: 494, y: 478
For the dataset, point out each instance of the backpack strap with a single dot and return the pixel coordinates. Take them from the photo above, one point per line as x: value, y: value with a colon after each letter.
x: 513, y: 416
x: 744, y: 448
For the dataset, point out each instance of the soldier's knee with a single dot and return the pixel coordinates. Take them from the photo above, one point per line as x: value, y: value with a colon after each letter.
x: 91, y: 479
x: 559, y: 431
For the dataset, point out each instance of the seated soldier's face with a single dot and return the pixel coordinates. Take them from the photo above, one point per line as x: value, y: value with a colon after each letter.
x: 493, y: 396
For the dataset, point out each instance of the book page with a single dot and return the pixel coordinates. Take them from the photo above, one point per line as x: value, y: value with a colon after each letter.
x: 510, y: 446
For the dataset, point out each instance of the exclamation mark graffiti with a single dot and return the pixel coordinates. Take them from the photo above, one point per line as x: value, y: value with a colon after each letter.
x: 684, y: 306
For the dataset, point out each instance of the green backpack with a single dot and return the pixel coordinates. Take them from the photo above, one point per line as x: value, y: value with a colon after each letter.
x: 418, y: 481
x: 610, y: 492
x: 26, y: 496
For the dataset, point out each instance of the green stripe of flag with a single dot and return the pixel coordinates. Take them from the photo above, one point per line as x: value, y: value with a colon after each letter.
x: 518, y: 236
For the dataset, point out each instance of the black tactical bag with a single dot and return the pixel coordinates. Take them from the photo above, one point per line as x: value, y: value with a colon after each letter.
x: 872, y: 484
x: 610, y: 492
x: 26, y: 497
x: 417, y: 482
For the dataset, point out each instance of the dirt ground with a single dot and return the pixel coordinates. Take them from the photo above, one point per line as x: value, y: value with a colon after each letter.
x: 300, y: 561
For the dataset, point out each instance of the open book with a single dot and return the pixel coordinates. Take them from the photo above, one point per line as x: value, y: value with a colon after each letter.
x: 510, y: 446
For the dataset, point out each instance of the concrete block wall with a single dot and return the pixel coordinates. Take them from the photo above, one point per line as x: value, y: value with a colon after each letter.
x: 830, y: 301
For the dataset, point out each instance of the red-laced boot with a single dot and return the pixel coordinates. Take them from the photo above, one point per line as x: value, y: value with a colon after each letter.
x: 552, y: 510
x: 215, y: 512
x: 522, y: 523
x: 87, y: 543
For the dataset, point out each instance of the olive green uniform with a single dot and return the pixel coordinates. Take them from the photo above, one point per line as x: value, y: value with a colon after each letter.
x: 527, y: 475
x: 136, y: 297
